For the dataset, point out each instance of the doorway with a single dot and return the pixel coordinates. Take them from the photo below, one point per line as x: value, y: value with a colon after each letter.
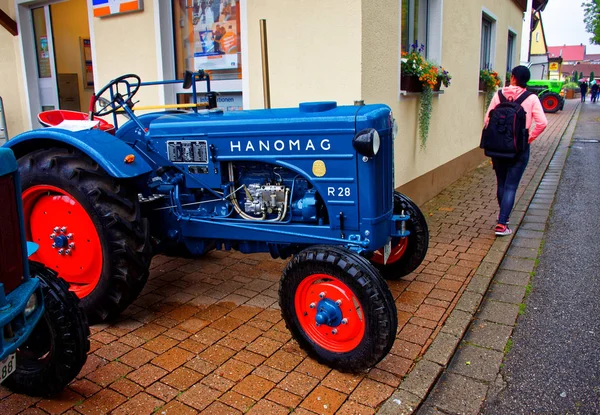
x: 57, y: 54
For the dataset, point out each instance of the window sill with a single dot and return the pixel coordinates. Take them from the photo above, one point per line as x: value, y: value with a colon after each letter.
x: 412, y: 94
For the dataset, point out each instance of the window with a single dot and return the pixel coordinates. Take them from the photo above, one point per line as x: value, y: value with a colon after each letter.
x: 422, y: 24
x: 510, y: 51
x: 487, y: 35
x: 207, y: 36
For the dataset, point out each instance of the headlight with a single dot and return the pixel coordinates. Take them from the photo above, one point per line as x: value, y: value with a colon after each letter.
x: 31, y: 305
x: 367, y: 142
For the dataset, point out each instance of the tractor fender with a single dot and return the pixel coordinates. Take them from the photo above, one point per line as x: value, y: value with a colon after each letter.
x: 105, y: 149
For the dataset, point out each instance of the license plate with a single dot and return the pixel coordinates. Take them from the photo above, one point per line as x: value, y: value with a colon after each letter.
x: 7, y: 366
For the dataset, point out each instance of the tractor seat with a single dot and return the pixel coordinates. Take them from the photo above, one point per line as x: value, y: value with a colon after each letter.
x: 73, y: 121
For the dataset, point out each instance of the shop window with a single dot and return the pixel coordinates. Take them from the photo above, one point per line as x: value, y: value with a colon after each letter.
x: 487, y: 37
x: 510, y: 51
x: 207, y: 36
x: 421, y: 24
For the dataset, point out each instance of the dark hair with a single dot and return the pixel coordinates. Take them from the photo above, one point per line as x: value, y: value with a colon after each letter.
x: 522, y: 75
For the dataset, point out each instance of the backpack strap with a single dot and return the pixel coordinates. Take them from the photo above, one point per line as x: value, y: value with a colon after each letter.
x: 523, y: 97
x: 501, y: 96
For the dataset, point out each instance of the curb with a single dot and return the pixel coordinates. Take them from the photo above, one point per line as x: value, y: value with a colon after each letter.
x: 415, y: 388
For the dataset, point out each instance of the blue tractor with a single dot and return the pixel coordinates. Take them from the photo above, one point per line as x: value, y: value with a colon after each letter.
x: 313, y: 182
x: 43, y: 332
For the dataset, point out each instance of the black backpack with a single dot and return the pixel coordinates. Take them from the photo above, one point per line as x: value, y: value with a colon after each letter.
x: 506, y: 134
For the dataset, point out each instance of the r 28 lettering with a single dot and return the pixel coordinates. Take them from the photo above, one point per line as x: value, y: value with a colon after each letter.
x: 339, y: 192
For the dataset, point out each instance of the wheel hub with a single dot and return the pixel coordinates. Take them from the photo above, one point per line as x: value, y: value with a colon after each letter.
x: 62, y: 241
x: 328, y: 313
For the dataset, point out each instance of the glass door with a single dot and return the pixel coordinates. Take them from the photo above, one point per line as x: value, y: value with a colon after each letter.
x: 44, y: 47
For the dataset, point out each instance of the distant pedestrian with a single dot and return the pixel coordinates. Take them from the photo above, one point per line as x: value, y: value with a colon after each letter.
x: 583, y: 87
x: 594, y: 91
x: 510, y: 170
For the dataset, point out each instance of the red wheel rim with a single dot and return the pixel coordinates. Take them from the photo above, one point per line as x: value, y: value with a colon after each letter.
x: 54, y: 217
x: 396, y: 253
x: 550, y: 103
x: 342, y: 338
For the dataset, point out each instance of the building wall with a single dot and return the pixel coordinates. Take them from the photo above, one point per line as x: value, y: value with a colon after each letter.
x: 126, y: 44
x: 69, y: 24
x: 12, y: 88
x: 314, y: 51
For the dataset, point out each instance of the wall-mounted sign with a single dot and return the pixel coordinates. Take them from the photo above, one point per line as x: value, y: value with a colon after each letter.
x: 103, y: 8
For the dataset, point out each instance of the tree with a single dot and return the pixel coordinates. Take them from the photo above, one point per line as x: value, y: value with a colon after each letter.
x: 575, y: 77
x: 591, y: 76
x: 591, y: 10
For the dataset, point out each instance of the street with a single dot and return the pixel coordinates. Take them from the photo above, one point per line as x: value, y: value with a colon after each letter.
x: 553, y: 366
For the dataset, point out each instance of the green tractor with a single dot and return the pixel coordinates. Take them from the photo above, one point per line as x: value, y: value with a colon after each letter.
x: 549, y: 93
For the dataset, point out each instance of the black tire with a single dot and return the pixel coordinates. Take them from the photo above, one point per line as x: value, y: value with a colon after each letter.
x: 417, y: 244
x: 366, y: 285
x: 551, y: 102
x: 57, y: 348
x: 113, y: 207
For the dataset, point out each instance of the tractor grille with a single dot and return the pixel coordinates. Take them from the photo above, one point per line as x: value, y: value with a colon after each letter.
x: 11, y: 252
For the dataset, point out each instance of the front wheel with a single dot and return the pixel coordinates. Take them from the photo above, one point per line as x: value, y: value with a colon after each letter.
x: 407, y: 253
x: 57, y: 348
x: 338, y: 308
x: 551, y: 102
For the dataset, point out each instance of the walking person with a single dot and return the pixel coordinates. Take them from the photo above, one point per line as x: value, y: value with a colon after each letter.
x: 509, y: 167
x: 594, y: 91
x: 583, y: 87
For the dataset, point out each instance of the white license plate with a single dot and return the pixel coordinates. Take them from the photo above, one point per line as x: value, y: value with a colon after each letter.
x: 7, y: 366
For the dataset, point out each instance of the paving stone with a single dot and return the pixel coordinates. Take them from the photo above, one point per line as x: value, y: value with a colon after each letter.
x: 421, y: 378
x: 524, y: 242
x: 457, y: 323
x: 507, y: 293
x: 469, y: 302
x: 496, y: 312
x: 520, y: 252
x: 441, y: 349
x: 533, y: 226
x: 476, y: 362
x: 512, y: 277
x: 517, y: 264
x: 457, y: 394
x: 487, y: 334
x: 400, y: 403
x: 479, y: 284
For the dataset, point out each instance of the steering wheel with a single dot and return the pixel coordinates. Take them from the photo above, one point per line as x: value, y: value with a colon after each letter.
x: 130, y: 84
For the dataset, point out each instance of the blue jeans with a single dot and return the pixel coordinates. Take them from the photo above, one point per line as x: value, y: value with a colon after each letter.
x: 508, y: 175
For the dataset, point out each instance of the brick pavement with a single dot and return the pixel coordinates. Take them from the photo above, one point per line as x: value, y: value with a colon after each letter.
x: 206, y: 335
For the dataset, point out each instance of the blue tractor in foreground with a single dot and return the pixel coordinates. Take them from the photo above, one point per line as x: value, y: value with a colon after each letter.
x: 43, y: 332
x: 314, y: 182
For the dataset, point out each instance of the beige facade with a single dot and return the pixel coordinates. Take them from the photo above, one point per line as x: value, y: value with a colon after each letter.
x: 319, y: 50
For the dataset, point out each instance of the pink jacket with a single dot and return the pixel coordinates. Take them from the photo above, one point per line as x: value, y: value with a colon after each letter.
x: 531, y: 105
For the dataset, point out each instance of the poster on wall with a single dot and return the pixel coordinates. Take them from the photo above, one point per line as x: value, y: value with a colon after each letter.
x: 88, y: 69
x: 216, y: 35
x: 104, y: 8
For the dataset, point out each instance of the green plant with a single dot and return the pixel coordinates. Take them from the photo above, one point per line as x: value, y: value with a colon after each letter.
x: 592, y: 76
x: 507, y: 78
x: 425, y: 114
x: 575, y: 76
x: 571, y: 85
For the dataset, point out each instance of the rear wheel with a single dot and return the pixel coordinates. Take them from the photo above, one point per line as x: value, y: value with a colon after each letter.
x: 407, y: 253
x: 88, y: 227
x: 338, y: 308
x: 57, y: 348
x: 551, y: 102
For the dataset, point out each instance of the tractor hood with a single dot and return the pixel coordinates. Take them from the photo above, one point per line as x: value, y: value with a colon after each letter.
x: 312, y: 117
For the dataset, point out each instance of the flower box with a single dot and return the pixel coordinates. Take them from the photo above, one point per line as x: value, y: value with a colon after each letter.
x: 411, y: 83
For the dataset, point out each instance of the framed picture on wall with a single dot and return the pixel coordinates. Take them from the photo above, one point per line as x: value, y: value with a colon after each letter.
x: 104, y: 8
x: 87, y: 66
